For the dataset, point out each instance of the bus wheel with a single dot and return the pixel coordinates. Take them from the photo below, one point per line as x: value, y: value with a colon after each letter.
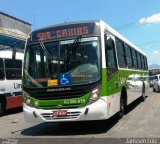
x: 122, y: 108
x: 143, y: 93
x: 158, y: 88
x: 1, y: 107
x: 154, y: 89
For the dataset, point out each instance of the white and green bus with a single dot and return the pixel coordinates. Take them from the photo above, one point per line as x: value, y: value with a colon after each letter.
x: 79, y: 72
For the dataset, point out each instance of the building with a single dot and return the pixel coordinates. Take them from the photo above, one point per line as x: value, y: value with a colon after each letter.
x: 13, y: 34
x: 153, y: 72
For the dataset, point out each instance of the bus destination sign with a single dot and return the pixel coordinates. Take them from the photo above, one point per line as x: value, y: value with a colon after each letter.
x: 63, y: 32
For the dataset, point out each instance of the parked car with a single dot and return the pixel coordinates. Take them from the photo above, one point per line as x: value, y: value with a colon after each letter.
x: 156, y: 83
x: 151, y: 80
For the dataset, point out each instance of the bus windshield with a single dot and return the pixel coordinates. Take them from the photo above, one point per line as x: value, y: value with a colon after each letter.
x: 62, y: 63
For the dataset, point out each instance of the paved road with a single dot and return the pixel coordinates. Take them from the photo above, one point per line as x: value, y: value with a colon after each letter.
x: 141, y: 121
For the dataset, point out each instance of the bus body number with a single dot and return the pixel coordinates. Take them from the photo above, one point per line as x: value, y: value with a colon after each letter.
x: 74, y: 101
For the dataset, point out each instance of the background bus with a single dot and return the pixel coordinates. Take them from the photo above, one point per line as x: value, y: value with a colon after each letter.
x: 81, y: 71
x: 10, y: 84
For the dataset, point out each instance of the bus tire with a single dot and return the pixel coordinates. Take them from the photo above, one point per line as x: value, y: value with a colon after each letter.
x: 154, y: 89
x: 2, y: 107
x: 123, y: 101
x: 143, y: 93
x: 158, y: 88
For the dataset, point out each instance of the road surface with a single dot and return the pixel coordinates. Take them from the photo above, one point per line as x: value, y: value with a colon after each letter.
x: 141, y: 121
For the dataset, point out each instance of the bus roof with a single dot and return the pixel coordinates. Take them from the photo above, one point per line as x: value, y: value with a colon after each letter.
x: 68, y: 23
x: 118, y: 35
x: 101, y: 22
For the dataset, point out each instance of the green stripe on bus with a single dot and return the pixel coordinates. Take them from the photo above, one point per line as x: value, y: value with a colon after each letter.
x: 61, y: 103
x: 118, y: 80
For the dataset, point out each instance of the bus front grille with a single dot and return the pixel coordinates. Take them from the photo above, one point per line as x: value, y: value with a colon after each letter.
x: 70, y: 115
x: 59, y: 95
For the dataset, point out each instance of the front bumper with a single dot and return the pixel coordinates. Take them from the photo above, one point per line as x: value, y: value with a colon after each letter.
x: 95, y: 111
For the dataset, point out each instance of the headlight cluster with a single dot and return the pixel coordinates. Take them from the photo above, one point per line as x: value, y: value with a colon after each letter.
x: 94, y: 95
x: 27, y: 99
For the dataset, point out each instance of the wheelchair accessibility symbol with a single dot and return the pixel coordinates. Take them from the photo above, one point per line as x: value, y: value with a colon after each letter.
x: 64, y: 79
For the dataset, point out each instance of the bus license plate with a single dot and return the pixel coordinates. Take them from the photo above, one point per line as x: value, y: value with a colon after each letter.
x: 60, y: 113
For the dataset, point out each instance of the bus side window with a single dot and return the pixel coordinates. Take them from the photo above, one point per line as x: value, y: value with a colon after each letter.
x: 128, y: 56
x: 146, y: 63
x: 139, y: 60
x: 13, y: 69
x: 1, y: 69
x: 110, y: 54
x: 121, y: 53
x: 134, y: 56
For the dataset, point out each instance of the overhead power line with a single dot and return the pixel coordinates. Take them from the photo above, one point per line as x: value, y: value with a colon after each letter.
x: 135, y: 24
x: 146, y: 43
x: 128, y: 26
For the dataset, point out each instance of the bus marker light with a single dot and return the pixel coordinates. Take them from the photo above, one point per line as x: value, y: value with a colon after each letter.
x: 28, y: 101
x: 94, y: 96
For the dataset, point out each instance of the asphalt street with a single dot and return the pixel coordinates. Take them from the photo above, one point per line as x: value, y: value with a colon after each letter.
x: 141, y: 121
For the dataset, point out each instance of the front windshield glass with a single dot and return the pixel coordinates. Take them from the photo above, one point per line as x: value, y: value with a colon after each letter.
x: 62, y: 63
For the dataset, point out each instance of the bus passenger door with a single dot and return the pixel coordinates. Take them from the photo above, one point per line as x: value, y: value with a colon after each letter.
x: 112, y: 74
x: 110, y: 53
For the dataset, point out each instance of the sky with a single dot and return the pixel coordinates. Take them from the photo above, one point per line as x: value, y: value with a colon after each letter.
x: 137, y: 20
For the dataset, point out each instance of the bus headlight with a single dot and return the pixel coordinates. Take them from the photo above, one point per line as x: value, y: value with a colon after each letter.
x: 27, y: 99
x: 94, y: 95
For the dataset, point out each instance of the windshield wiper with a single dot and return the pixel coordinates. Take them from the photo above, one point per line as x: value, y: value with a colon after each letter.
x: 45, y: 50
x: 75, y: 44
x: 76, y: 41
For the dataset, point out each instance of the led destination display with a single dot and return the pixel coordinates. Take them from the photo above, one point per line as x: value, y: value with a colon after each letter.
x: 63, y: 32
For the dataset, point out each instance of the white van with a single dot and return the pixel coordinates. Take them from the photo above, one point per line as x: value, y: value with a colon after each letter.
x: 156, y: 83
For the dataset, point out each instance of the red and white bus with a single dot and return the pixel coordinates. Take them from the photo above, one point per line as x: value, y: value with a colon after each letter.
x: 10, y: 84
